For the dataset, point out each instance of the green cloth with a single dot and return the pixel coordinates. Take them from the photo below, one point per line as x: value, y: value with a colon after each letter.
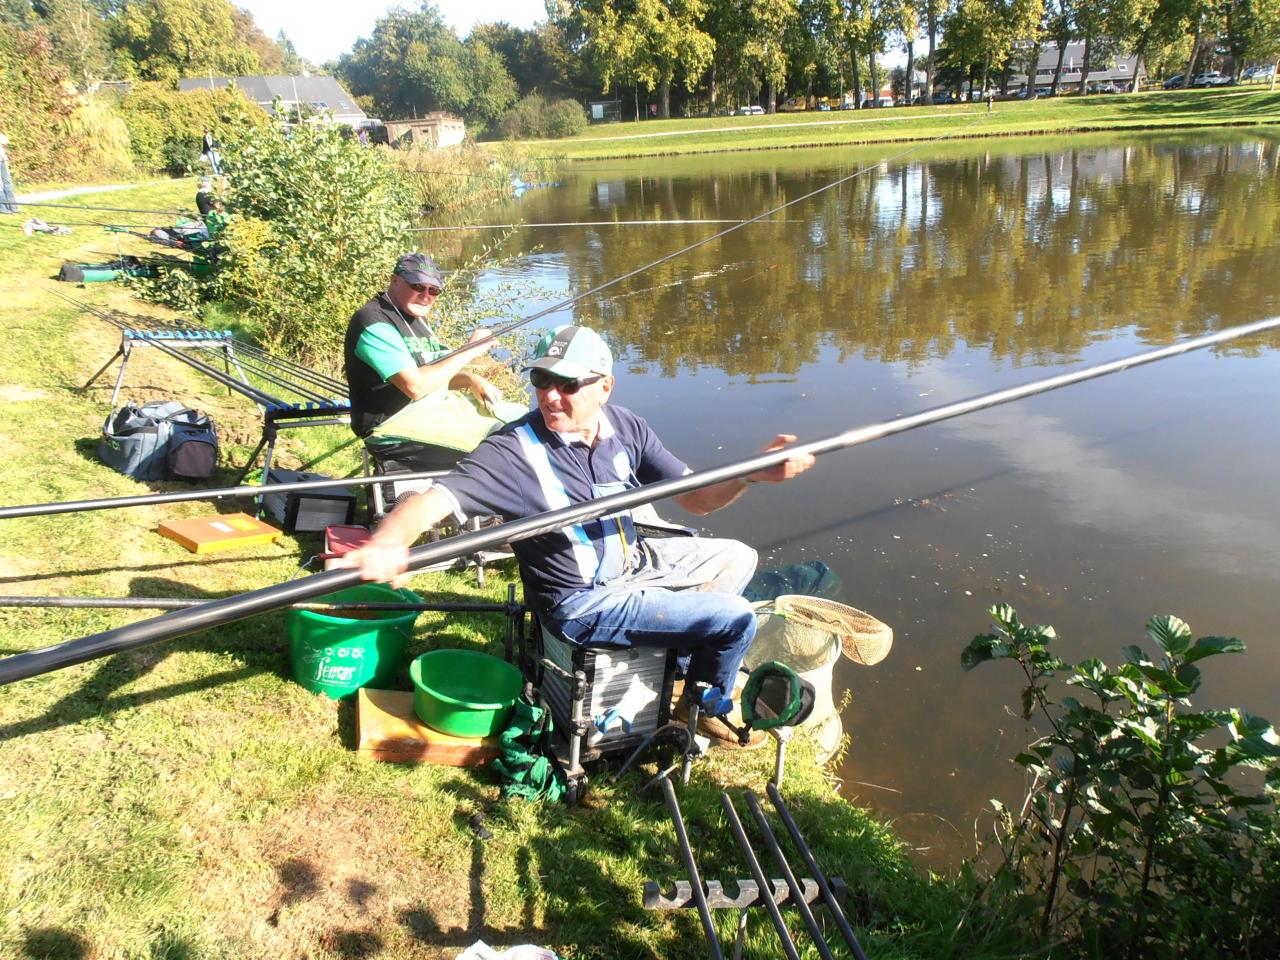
x: 453, y: 419
x: 524, y: 766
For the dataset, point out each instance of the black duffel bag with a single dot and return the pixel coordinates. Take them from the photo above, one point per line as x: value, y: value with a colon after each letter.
x: 161, y: 440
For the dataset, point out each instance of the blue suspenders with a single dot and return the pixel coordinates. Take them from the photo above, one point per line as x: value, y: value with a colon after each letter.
x: 619, y: 532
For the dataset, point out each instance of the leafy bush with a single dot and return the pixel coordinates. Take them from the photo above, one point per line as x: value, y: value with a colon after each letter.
x: 1138, y: 836
x: 33, y: 105
x: 319, y: 221
x: 565, y: 118
x: 534, y: 118
x: 166, y: 125
x: 101, y: 138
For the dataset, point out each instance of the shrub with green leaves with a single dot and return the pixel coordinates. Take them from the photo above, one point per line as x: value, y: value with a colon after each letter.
x: 166, y: 125
x: 1139, y: 836
x: 318, y: 223
x: 535, y: 118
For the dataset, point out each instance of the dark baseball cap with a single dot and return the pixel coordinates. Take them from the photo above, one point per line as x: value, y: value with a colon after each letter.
x: 572, y: 353
x: 419, y: 268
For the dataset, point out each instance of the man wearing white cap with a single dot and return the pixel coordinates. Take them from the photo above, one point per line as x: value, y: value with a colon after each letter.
x: 596, y: 583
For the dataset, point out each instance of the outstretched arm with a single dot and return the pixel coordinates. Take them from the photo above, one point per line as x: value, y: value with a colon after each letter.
x: 709, y: 499
x: 384, y: 557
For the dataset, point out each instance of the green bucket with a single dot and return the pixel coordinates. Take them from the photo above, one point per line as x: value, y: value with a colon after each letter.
x: 464, y: 693
x: 337, y: 655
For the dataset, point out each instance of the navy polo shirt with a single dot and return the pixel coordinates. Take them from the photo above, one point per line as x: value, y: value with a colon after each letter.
x: 507, y: 476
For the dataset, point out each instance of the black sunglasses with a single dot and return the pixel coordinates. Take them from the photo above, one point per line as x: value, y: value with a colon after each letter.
x: 545, y: 381
x: 425, y: 288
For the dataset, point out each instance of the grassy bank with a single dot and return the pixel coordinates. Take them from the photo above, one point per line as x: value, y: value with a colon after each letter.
x: 1144, y: 111
x: 189, y: 800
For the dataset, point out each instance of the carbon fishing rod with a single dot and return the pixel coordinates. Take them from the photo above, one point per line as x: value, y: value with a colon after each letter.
x: 216, y: 613
x: 182, y: 603
x: 181, y: 496
x: 76, y: 206
x: 255, y: 394
x: 244, y: 349
x: 570, y: 301
x: 577, y: 223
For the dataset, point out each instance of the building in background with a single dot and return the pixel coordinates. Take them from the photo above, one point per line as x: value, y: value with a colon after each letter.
x: 433, y: 130
x: 314, y: 95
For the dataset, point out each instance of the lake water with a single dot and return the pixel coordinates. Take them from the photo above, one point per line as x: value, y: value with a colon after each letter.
x: 933, y: 276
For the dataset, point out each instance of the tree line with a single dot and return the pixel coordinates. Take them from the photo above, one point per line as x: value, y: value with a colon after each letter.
x: 655, y: 57
x: 686, y: 57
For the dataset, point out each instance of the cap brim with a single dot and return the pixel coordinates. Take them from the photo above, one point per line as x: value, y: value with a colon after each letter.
x: 562, y: 368
x: 420, y: 276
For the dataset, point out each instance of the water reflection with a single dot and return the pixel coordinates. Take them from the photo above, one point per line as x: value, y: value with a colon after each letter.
x: 927, y: 280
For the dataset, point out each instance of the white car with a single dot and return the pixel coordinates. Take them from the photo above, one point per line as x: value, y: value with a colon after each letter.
x: 752, y: 111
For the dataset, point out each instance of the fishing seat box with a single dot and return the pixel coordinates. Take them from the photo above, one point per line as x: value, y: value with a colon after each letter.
x: 635, y: 681
x: 308, y: 511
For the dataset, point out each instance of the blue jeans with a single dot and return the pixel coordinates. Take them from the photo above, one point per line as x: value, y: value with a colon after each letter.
x: 682, y: 593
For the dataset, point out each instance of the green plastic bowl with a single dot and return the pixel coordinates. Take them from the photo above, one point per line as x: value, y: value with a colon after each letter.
x: 464, y: 693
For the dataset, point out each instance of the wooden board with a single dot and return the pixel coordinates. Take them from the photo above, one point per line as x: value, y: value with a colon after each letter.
x: 220, y: 532
x: 388, y: 729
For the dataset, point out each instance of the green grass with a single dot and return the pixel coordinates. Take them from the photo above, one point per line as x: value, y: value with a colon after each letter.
x: 188, y: 800
x: 1144, y: 111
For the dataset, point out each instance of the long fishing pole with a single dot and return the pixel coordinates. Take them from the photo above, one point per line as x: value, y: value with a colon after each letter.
x: 576, y: 223
x: 258, y: 396
x: 216, y: 613
x: 245, y: 348
x: 182, y: 603
x: 570, y: 301
x: 217, y: 493
x: 76, y: 206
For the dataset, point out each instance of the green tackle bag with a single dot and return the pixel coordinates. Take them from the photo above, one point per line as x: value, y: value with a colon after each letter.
x: 524, y: 764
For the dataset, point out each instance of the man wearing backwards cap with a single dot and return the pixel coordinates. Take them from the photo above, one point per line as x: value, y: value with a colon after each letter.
x: 596, y: 583
x: 408, y: 400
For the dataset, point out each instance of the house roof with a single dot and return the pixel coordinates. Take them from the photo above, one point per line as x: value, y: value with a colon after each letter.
x: 1073, y: 61
x: 323, y: 93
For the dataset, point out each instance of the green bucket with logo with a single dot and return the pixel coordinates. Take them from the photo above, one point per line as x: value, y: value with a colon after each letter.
x: 338, y: 653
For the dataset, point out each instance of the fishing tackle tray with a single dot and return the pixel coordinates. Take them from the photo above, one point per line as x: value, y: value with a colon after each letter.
x: 637, y: 681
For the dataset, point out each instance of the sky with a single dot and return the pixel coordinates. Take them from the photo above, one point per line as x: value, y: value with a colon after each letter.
x: 323, y: 29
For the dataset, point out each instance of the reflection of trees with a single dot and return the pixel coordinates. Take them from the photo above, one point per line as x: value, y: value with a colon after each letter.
x: 1030, y: 256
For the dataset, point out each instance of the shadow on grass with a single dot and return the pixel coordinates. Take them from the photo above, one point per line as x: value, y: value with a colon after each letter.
x: 96, y: 571
x: 260, y: 642
x: 50, y: 943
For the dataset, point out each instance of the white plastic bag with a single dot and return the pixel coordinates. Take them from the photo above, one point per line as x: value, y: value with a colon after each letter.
x: 482, y: 951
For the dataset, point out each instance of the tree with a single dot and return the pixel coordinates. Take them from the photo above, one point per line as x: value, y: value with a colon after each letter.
x: 170, y: 39
x: 414, y: 63
x: 767, y: 21
x: 539, y: 59
x: 79, y: 35
x: 651, y: 43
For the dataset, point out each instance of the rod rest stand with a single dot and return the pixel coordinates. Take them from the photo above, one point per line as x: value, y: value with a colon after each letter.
x: 681, y: 898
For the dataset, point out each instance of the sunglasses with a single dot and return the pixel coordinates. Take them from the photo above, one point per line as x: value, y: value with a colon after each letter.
x: 542, y: 380
x: 426, y: 288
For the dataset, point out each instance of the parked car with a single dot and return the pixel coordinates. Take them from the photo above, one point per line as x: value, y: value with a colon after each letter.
x: 1103, y: 88
x: 793, y: 105
x: 1260, y: 74
x: 1174, y: 82
x: 1211, y: 78
x: 751, y: 111
x: 946, y: 96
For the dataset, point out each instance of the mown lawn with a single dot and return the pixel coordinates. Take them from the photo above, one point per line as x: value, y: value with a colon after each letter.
x: 189, y: 800
x: 1226, y: 106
